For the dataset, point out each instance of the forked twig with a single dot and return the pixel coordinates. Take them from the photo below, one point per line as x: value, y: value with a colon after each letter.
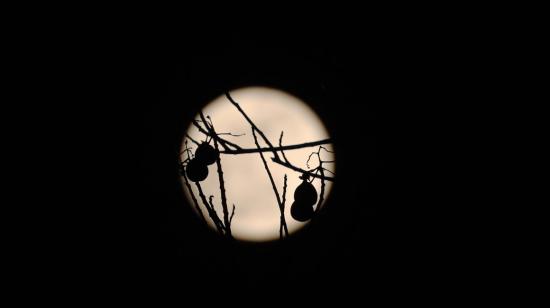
x: 211, y: 211
x: 279, y: 202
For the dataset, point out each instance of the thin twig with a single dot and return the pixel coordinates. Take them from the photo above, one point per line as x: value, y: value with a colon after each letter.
x: 231, y: 134
x: 211, y: 211
x: 283, y: 221
x: 254, y: 127
x: 323, y: 148
x: 214, y: 135
x: 318, y: 155
x: 280, y: 148
x: 195, y: 202
x: 227, y: 221
x: 279, y: 202
x: 186, y: 180
x: 232, y: 214
x: 309, y: 157
x: 281, y: 145
x: 193, y: 140
x: 223, y: 142
x: 290, y: 166
x: 211, y: 130
x: 322, y: 192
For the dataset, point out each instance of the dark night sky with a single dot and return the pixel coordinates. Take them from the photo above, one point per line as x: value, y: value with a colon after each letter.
x: 393, y: 98
x: 389, y: 105
x: 424, y: 106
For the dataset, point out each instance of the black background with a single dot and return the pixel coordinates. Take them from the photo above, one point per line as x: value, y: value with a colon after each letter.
x: 391, y: 100
x: 397, y: 99
x: 423, y: 103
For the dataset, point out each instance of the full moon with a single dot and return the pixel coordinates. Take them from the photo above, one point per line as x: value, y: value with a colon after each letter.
x: 248, y: 186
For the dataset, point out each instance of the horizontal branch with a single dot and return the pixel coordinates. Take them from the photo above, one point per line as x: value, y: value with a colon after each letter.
x: 290, y: 166
x: 280, y: 148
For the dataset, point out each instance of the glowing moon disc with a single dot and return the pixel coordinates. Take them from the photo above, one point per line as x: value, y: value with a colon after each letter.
x: 247, y: 184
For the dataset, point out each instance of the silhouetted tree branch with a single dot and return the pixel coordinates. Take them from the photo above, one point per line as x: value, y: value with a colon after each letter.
x: 283, y: 226
x: 232, y: 214
x: 227, y: 221
x: 321, y: 170
x: 186, y: 180
x: 211, y: 211
x: 279, y: 148
x: 270, y: 147
x: 193, y: 140
x: 195, y: 202
x: 224, y: 143
x: 224, y: 227
x: 321, y: 193
x: 311, y: 174
x: 254, y: 127
x: 279, y: 202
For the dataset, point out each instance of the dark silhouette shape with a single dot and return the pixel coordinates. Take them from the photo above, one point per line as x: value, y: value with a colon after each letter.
x: 301, y: 211
x: 321, y: 170
x: 196, y: 170
x: 206, y: 153
x: 305, y: 192
x: 283, y: 226
x: 305, y: 195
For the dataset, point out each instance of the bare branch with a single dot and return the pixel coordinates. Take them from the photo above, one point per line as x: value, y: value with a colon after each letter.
x: 231, y: 134
x: 283, y: 221
x: 309, y: 157
x: 195, y: 202
x: 280, y: 148
x: 279, y: 202
x: 223, y: 142
x: 311, y: 174
x: 232, y: 214
x: 211, y: 130
x: 188, y: 151
x: 226, y: 219
x: 193, y: 140
x: 323, y: 148
x: 254, y: 127
x: 211, y: 211
x: 216, y: 136
x: 322, y: 192
x: 281, y: 145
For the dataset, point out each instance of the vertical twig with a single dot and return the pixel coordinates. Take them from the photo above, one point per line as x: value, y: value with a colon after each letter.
x: 281, y: 145
x: 254, y: 127
x: 211, y: 210
x: 322, y: 192
x: 283, y: 220
x: 232, y: 214
x: 186, y: 180
x: 279, y: 202
x: 195, y: 202
x: 226, y: 219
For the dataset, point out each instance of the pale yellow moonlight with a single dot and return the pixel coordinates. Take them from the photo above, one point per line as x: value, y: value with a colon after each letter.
x: 247, y: 184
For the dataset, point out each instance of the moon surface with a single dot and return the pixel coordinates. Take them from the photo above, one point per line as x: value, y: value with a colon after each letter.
x: 247, y: 184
